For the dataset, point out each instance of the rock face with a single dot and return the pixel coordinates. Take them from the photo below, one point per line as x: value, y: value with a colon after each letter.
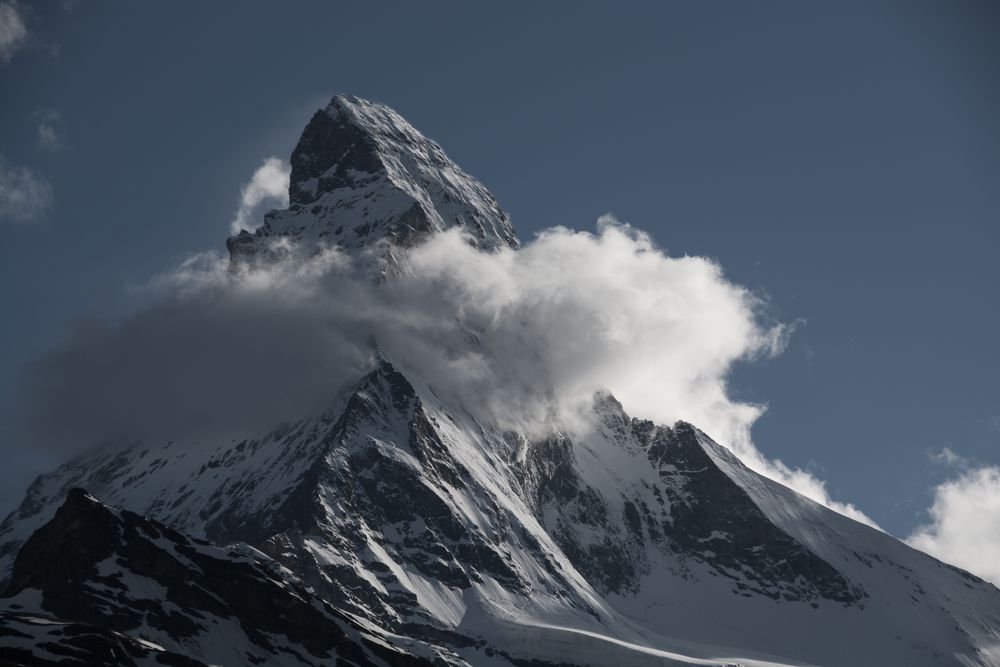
x: 690, y: 508
x: 44, y: 641
x: 134, y: 576
x: 394, y: 528
x: 362, y: 176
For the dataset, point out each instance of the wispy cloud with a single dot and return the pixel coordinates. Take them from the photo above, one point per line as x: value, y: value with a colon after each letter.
x: 269, y: 184
x: 49, y: 130
x: 947, y: 457
x: 13, y: 31
x: 993, y: 424
x: 25, y: 196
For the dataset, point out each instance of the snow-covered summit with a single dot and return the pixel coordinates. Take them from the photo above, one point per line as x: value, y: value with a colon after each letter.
x: 362, y: 175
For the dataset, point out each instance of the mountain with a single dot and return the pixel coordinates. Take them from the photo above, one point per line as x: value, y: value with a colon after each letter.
x: 397, y: 526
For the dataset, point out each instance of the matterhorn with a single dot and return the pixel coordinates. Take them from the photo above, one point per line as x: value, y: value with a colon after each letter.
x: 396, y: 527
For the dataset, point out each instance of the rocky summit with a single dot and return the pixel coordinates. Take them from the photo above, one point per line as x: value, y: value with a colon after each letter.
x: 362, y: 177
x: 392, y: 527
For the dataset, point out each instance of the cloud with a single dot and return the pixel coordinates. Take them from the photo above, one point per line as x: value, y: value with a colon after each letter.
x: 13, y: 32
x: 518, y: 337
x: 24, y: 195
x: 964, y: 527
x: 49, y: 130
x: 268, y: 184
x: 947, y: 457
x: 993, y: 423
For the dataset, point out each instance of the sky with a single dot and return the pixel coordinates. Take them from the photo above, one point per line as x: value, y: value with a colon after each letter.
x: 840, y: 160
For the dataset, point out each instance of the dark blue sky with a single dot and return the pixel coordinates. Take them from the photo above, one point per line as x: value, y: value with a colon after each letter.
x: 843, y: 159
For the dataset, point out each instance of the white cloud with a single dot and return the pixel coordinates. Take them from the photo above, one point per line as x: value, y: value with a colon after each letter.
x: 268, y: 184
x: 13, y: 32
x: 965, y: 523
x: 520, y: 337
x: 49, y: 130
x: 24, y: 195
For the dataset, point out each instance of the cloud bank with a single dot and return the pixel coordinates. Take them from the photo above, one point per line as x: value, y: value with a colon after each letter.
x: 965, y: 523
x: 24, y: 195
x: 521, y: 337
x: 269, y: 184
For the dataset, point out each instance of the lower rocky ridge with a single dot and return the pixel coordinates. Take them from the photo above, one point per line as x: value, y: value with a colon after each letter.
x: 45, y: 641
x: 137, y: 592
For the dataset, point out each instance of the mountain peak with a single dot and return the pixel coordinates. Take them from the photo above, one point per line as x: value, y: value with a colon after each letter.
x: 362, y: 176
x: 348, y: 138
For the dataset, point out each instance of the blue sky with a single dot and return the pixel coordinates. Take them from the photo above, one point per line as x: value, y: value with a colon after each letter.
x: 842, y: 160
